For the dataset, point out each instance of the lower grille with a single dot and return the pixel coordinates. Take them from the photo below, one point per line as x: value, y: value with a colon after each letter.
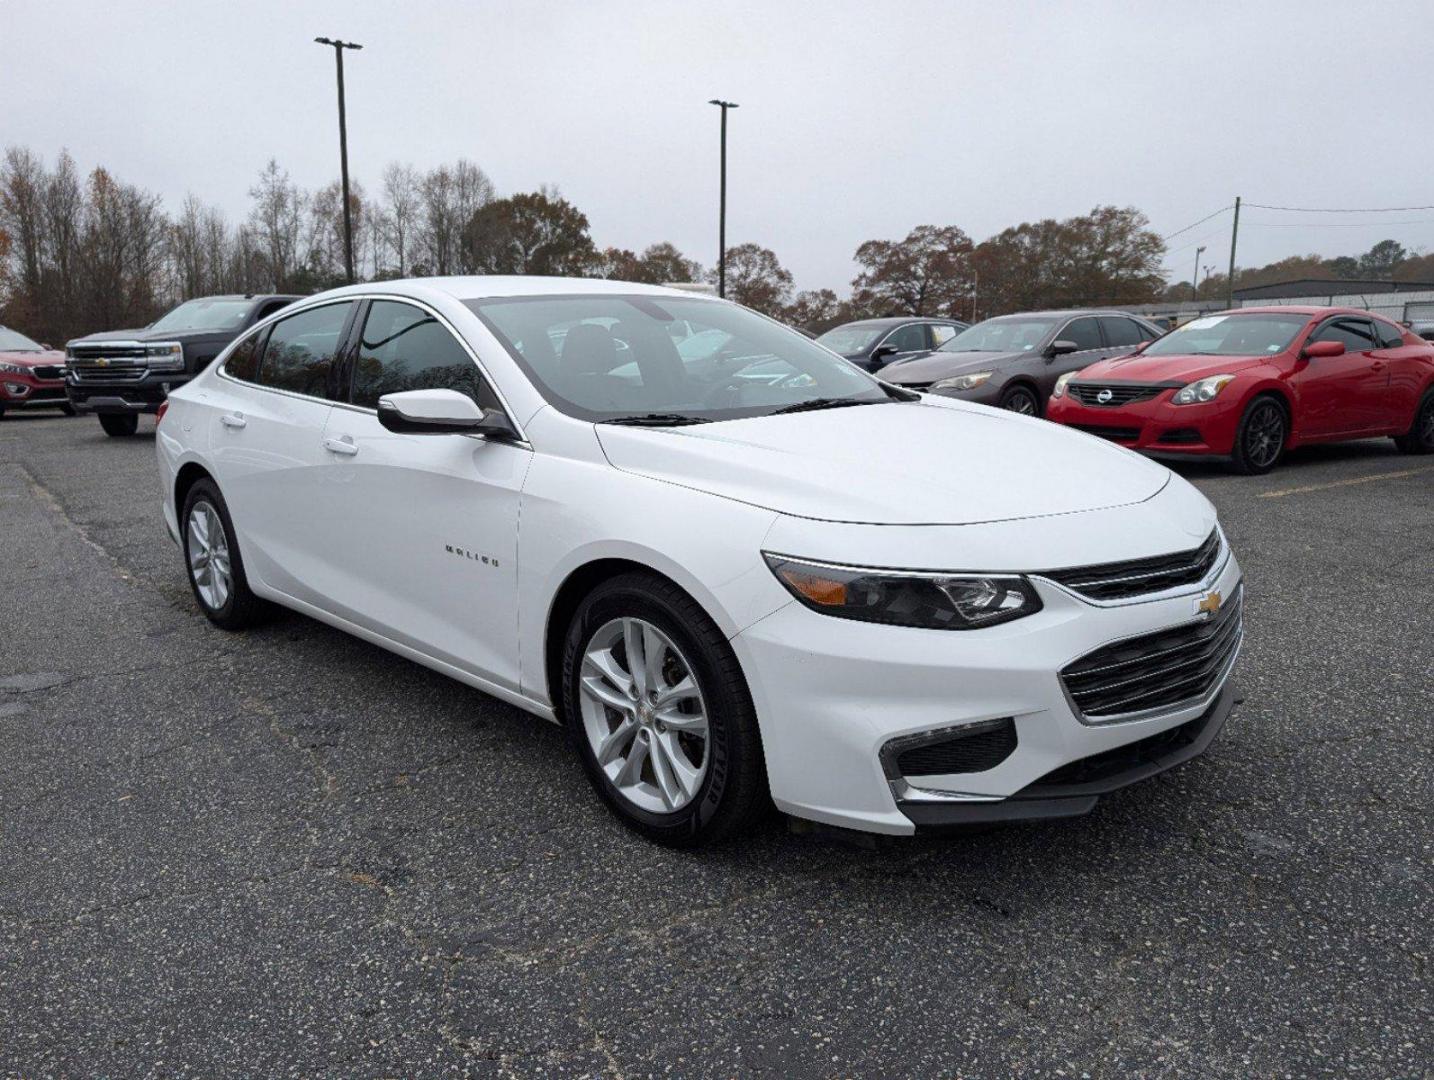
x: 1110, y: 396
x: 1137, y: 577
x: 49, y: 371
x: 1122, y: 759
x: 1181, y: 436
x: 1114, y: 434
x: 972, y: 748
x: 1163, y: 670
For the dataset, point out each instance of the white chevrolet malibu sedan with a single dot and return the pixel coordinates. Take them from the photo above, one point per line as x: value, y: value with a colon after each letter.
x: 735, y: 567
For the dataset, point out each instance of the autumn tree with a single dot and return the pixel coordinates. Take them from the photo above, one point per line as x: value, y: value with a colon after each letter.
x: 816, y: 310
x: 535, y: 233
x: 659, y: 264
x: 927, y: 273
x: 756, y: 279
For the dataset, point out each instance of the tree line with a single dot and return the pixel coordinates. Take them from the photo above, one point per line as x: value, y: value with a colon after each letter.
x: 85, y: 252
x: 1388, y: 260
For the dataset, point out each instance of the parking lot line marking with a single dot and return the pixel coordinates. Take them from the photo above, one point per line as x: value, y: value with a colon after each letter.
x: 1344, y: 483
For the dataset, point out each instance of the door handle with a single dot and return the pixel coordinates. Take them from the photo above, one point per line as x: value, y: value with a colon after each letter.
x: 343, y: 446
x: 233, y: 420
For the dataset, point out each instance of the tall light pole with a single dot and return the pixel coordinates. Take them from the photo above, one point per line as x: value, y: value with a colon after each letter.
x: 722, y: 208
x: 1195, y: 281
x: 339, y: 47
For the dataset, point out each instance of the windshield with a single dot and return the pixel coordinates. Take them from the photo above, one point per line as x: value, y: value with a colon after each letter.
x: 610, y: 357
x: 10, y: 341
x: 851, y: 340
x: 206, y: 315
x: 1001, y: 335
x: 1230, y: 335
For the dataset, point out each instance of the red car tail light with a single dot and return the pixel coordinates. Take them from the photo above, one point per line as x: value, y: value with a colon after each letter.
x: 159, y: 412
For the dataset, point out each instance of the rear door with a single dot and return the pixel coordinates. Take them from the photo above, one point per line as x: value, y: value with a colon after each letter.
x: 266, y: 436
x: 1344, y: 395
x: 1122, y: 335
x: 424, y: 527
x: 1406, y: 365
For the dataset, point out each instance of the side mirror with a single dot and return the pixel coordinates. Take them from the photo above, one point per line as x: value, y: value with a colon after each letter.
x: 441, y: 412
x: 47, y: 346
x: 883, y: 351
x: 1317, y: 349
x: 1061, y: 348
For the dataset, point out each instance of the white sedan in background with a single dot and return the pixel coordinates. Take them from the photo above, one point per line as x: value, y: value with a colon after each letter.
x: 747, y: 575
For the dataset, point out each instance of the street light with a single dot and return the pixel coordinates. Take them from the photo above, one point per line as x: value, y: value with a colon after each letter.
x: 339, y: 47
x: 1195, y: 281
x: 722, y: 211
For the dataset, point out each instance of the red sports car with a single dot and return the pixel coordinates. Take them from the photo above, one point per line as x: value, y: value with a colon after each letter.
x: 1249, y: 384
x: 31, y: 376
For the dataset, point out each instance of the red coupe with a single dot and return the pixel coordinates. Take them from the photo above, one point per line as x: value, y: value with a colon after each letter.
x: 1247, y: 385
x: 31, y: 376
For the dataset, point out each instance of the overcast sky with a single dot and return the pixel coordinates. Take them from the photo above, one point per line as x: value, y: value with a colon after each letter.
x: 857, y: 119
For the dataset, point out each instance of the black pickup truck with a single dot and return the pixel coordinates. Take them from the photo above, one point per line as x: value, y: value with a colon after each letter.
x: 119, y: 374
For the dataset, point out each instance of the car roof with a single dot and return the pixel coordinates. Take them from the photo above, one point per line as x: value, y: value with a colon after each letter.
x: 1069, y: 313
x: 495, y: 286
x: 1294, y: 309
x: 893, y: 320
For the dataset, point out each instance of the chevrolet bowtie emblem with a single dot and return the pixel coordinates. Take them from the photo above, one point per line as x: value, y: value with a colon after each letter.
x: 1209, y: 604
x: 103, y: 361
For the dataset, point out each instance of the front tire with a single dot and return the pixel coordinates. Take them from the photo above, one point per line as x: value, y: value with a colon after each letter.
x: 656, y: 704
x: 1420, y: 439
x: 1021, y: 399
x: 1260, y: 438
x: 213, y: 562
x: 119, y: 425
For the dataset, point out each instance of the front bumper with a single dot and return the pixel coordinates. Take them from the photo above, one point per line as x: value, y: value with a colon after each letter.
x: 27, y: 392
x: 141, y: 395
x: 1155, y: 426
x: 834, y: 692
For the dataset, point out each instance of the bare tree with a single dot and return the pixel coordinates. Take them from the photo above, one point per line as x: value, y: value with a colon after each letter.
x: 400, y: 216
x: 276, y: 222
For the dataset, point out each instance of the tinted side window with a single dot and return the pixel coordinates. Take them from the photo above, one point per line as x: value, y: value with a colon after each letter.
x: 1357, y: 334
x: 1121, y: 332
x: 269, y: 307
x: 405, y: 348
x: 301, y: 350
x: 1147, y: 333
x: 908, y: 338
x: 243, y: 362
x: 1390, y: 335
x: 941, y: 333
x: 1083, y: 332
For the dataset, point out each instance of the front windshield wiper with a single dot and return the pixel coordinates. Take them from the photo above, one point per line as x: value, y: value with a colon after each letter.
x: 820, y: 403
x: 655, y: 419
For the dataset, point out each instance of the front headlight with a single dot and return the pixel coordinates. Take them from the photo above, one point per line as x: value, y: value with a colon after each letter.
x: 962, y: 382
x: 166, y: 356
x: 14, y: 369
x: 1060, y: 388
x: 1202, y: 390
x: 907, y: 598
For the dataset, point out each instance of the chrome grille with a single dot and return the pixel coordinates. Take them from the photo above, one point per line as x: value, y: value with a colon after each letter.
x: 1164, y: 670
x: 1093, y: 393
x: 1136, y: 577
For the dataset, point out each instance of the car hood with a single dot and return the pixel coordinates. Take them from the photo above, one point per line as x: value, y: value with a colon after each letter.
x: 187, y: 337
x: 943, y: 365
x: 913, y: 463
x: 33, y: 359
x: 1173, y: 369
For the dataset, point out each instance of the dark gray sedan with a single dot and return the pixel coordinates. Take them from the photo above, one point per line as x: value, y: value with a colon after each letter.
x: 1013, y: 361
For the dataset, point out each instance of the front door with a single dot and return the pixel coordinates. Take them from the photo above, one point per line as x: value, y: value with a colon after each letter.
x: 1344, y: 395
x: 425, y: 526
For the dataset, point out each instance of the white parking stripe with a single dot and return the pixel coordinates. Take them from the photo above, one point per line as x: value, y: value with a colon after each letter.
x: 1345, y: 483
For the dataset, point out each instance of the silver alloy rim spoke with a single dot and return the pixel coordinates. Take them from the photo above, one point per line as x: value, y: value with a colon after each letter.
x: 644, y: 715
x: 209, y: 556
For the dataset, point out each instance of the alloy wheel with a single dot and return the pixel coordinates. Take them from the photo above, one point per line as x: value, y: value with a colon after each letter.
x: 1264, y: 434
x: 644, y: 715
x: 1021, y: 402
x: 209, y: 556
x: 1424, y: 429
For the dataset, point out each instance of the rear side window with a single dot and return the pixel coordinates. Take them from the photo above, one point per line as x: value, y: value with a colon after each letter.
x: 301, y: 348
x: 243, y: 362
x: 1083, y: 332
x: 1121, y: 332
x: 908, y: 339
x: 1390, y: 335
x: 941, y: 333
x: 405, y: 348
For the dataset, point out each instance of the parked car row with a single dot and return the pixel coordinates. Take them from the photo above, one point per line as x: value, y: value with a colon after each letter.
x: 1243, y: 385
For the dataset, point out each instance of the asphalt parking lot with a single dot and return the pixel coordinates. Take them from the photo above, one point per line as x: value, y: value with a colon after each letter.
x: 290, y: 853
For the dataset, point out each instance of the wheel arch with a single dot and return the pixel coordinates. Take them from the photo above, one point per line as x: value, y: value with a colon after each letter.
x: 1272, y: 388
x: 190, y: 473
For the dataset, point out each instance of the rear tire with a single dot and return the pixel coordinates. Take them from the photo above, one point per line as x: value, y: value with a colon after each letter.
x: 652, y: 775
x: 1021, y: 399
x: 1260, y: 439
x: 1420, y: 439
x: 119, y: 424
x: 213, y: 562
